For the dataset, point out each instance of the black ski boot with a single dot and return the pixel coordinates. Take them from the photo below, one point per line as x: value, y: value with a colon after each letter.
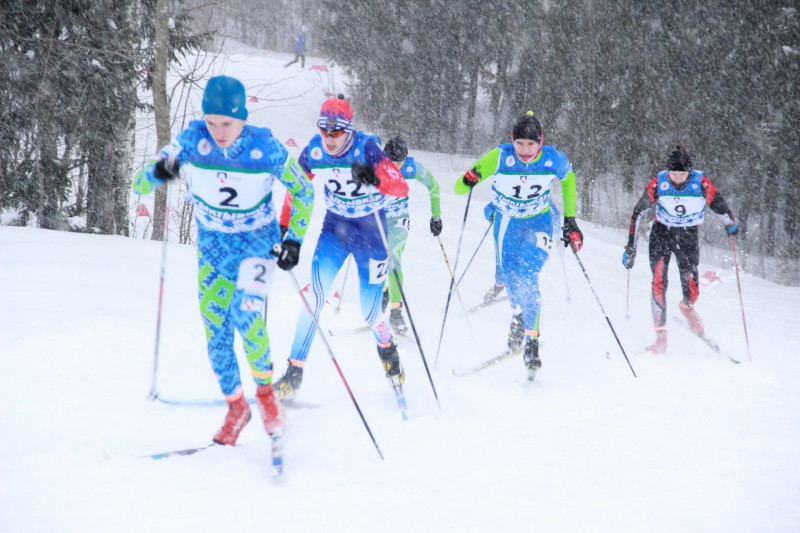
x: 492, y: 294
x: 397, y: 322
x: 531, y: 357
x: 391, y: 364
x: 289, y: 384
x: 516, y: 333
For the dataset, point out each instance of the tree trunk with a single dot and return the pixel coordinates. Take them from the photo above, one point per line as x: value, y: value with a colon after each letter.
x: 161, y: 106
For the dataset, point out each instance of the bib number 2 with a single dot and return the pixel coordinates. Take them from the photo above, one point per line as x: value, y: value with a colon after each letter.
x: 255, y: 276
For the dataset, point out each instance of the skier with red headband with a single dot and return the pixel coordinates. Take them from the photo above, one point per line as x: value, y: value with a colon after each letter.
x: 522, y: 172
x: 360, y: 180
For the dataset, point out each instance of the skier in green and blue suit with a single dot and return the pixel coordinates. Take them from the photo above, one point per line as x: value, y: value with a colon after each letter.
x: 522, y: 172
x: 398, y: 222
x: 231, y: 167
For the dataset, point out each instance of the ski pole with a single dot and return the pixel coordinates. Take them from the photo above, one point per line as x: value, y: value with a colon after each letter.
x: 628, y: 297
x: 458, y: 293
x: 344, y: 280
x: 741, y: 302
x: 276, y: 251
x: 154, y: 381
x: 558, y: 228
x: 382, y: 231
x: 477, y: 248
x: 452, y: 281
x: 602, y: 309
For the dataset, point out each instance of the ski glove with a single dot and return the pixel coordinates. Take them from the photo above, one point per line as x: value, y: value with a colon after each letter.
x: 471, y: 178
x: 489, y: 212
x: 365, y: 174
x: 436, y: 226
x: 288, y: 253
x: 732, y: 228
x: 166, y: 169
x: 628, y: 257
x: 572, y: 234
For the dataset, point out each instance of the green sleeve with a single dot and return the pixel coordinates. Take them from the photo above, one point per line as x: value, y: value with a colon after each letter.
x: 486, y: 166
x: 569, y: 192
x: 143, y: 181
x: 302, y: 193
x: 425, y: 177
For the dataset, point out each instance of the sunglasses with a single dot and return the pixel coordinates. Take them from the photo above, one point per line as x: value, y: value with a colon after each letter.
x: 333, y: 133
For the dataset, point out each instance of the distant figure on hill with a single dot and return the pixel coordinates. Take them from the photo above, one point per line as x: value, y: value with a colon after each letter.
x: 299, y: 48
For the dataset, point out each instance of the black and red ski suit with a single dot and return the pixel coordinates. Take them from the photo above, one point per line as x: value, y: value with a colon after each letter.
x: 667, y: 240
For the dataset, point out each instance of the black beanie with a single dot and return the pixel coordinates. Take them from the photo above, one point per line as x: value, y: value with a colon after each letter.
x: 527, y: 127
x: 396, y: 148
x: 679, y: 160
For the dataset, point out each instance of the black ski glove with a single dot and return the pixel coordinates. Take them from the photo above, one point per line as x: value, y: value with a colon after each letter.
x: 572, y: 234
x: 167, y: 169
x: 436, y: 226
x: 288, y: 253
x: 365, y: 174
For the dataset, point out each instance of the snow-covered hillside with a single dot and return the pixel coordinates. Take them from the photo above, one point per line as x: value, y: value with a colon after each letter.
x: 694, y: 443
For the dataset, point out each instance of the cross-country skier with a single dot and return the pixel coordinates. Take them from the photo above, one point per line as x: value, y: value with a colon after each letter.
x: 522, y: 172
x: 398, y: 221
x: 680, y: 195
x: 351, y: 164
x: 231, y: 167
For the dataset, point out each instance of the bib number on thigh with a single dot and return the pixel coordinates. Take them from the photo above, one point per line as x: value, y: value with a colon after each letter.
x: 378, y: 270
x: 544, y: 241
x: 256, y: 275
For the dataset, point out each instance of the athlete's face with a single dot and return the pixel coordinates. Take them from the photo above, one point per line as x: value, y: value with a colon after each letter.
x: 224, y: 130
x: 526, y: 149
x: 398, y: 164
x: 678, y: 176
x: 333, y: 141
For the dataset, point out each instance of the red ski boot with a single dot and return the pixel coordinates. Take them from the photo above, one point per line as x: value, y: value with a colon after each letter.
x: 660, y: 346
x: 692, y: 317
x: 270, y: 409
x: 235, y: 420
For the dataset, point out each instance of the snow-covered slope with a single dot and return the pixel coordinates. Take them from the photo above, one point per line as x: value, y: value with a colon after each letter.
x: 694, y: 443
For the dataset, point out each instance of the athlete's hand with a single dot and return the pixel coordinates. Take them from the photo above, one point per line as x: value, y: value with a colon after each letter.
x: 628, y: 257
x: 288, y: 254
x: 572, y: 234
x: 489, y: 212
x: 365, y: 174
x: 471, y: 177
x: 436, y: 226
x: 166, y: 169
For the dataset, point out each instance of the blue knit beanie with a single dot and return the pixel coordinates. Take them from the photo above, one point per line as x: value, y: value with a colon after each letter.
x: 225, y: 96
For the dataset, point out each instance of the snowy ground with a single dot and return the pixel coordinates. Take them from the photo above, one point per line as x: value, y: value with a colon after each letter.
x: 694, y: 443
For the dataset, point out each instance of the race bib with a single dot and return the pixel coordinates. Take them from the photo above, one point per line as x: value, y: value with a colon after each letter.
x: 340, y: 183
x: 544, y: 241
x: 378, y: 270
x: 255, y: 276
x: 228, y: 190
